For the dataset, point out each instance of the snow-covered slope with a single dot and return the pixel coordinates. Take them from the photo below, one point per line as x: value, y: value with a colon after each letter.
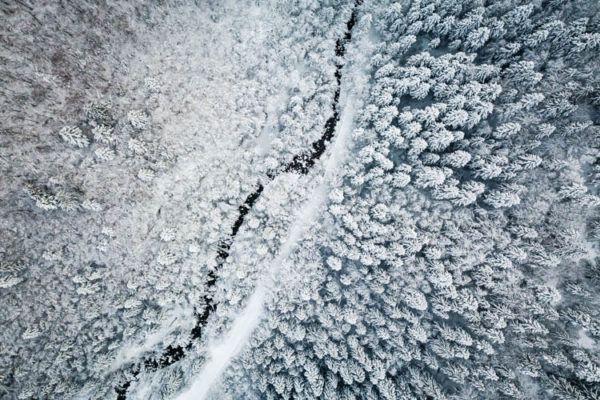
x: 337, y: 199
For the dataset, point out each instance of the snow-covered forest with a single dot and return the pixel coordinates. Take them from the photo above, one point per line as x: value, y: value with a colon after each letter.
x: 300, y: 199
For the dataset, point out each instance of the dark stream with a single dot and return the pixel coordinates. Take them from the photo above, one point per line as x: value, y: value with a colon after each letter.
x: 301, y: 163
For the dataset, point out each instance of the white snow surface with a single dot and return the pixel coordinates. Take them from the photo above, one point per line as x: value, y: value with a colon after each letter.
x: 222, y: 351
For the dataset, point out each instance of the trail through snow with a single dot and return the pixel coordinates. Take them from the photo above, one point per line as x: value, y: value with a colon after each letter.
x: 223, y: 350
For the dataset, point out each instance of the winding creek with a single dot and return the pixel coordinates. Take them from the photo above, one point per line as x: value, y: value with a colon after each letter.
x: 302, y: 164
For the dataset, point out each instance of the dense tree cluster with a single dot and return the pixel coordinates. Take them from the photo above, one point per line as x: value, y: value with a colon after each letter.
x: 458, y: 254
